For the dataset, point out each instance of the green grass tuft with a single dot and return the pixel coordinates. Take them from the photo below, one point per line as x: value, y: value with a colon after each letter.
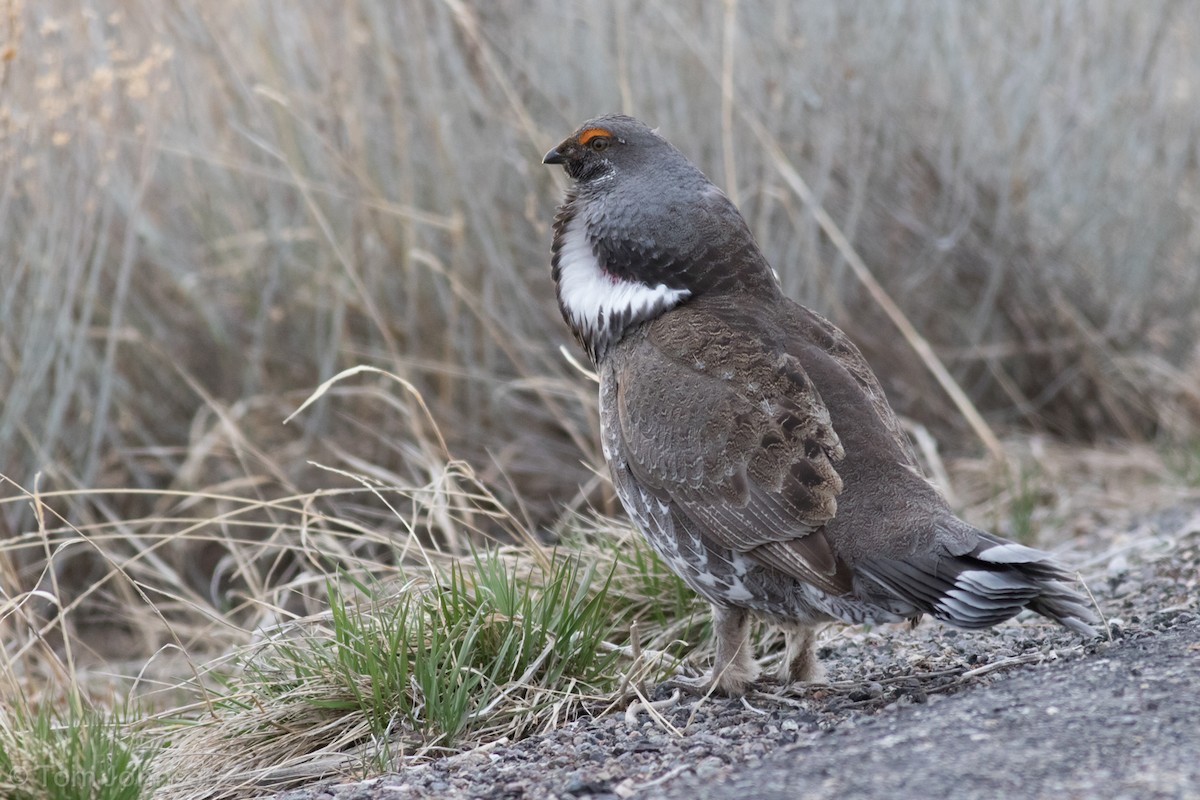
x: 72, y: 752
x: 1027, y: 496
x: 436, y: 659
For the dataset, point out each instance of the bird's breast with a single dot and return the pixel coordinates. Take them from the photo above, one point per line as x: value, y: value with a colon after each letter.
x: 599, y: 305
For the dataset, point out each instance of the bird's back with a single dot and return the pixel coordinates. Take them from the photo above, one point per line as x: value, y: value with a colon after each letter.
x: 901, y: 550
x: 886, y: 507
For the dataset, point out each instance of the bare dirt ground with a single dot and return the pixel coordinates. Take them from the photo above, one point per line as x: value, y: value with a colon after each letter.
x: 1022, y: 710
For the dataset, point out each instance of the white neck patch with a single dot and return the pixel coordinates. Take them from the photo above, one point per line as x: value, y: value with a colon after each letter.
x: 592, y: 299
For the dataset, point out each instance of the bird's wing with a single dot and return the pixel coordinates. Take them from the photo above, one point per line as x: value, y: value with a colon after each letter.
x: 742, y: 447
x: 812, y: 327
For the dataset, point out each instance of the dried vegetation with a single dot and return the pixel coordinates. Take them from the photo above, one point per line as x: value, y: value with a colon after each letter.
x: 207, y: 209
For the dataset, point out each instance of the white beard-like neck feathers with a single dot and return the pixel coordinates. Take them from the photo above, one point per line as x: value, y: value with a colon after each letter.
x: 598, y: 306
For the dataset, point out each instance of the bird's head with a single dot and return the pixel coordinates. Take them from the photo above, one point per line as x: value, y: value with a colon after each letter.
x: 640, y: 232
x: 608, y: 145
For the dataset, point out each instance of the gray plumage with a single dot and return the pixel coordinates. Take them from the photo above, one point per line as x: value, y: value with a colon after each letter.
x: 746, y: 435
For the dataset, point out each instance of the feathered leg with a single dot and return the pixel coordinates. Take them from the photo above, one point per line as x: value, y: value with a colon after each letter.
x: 799, y: 656
x: 734, y: 668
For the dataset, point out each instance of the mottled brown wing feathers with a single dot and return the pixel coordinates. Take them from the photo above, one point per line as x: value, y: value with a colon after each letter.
x: 810, y: 327
x: 743, y: 448
x: 809, y: 558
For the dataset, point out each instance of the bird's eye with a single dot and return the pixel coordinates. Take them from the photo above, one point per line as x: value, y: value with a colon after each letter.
x: 599, y: 143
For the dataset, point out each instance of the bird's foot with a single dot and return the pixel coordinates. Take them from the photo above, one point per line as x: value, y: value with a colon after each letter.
x: 802, y: 672
x: 696, y: 687
x: 729, y: 683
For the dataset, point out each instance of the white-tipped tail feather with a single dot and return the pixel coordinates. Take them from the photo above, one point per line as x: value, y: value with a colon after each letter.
x: 1011, y: 553
x: 980, y: 580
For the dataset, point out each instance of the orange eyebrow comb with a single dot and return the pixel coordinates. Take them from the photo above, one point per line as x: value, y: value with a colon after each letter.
x: 588, y: 134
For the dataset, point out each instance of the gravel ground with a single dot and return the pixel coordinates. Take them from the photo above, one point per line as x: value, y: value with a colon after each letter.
x: 890, y: 682
x: 1124, y: 730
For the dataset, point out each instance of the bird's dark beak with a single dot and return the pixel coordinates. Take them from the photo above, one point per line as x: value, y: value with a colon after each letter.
x: 554, y: 156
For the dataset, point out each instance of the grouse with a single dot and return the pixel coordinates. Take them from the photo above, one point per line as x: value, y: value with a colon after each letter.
x: 747, y: 437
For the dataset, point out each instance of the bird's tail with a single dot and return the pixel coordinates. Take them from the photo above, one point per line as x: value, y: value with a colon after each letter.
x: 1057, y: 597
x: 977, y: 580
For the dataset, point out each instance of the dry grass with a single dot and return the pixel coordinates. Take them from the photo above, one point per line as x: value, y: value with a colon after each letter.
x: 206, y: 210
x: 287, y: 671
x: 210, y: 207
x: 256, y: 694
x: 323, y: 645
